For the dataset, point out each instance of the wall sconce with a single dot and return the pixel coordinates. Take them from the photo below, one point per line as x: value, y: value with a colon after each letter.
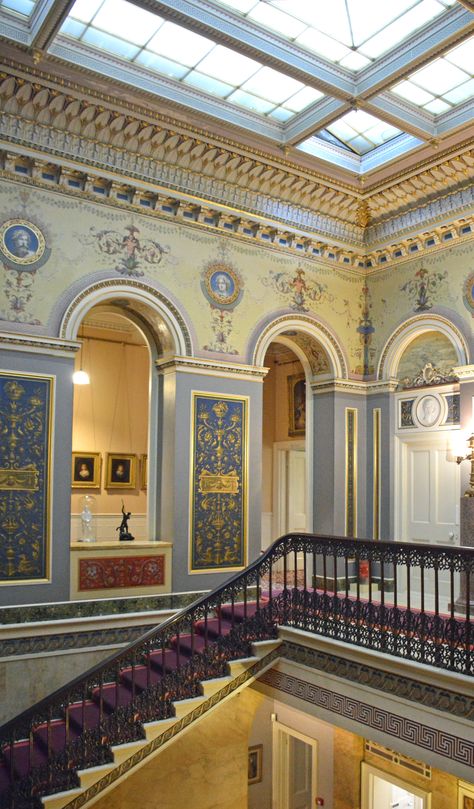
x: 469, y: 457
x: 81, y: 377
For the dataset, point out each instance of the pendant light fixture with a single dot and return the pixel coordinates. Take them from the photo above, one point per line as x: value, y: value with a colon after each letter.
x: 81, y: 377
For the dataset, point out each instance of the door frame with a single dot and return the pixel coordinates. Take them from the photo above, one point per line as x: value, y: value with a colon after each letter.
x: 280, y: 762
x: 279, y: 504
x: 368, y: 772
x: 433, y: 439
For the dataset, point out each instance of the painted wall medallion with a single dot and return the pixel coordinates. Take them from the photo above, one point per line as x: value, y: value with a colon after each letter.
x: 22, y: 244
x: 221, y: 285
x: 468, y: 293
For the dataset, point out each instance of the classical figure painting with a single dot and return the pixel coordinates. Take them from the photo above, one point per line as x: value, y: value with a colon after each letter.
x: 26, y: 412
x: 121, y: 471
x: 219, y: 472
x: 221, y: 284
x: 296, y: 404
x: 86, y: 467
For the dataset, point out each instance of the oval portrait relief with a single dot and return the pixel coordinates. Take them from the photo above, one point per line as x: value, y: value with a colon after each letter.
x: 21, y: 242
x: 428, y: 409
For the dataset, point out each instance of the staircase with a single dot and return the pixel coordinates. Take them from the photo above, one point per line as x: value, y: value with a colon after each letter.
x: 86, y: 736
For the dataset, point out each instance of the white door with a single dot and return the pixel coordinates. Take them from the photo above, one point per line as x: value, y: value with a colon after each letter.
x: 294, y: 769
x: 430, y: 493
x: 296, y: 491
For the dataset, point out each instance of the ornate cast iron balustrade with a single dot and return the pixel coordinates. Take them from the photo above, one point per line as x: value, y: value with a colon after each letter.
x: 411, y: 601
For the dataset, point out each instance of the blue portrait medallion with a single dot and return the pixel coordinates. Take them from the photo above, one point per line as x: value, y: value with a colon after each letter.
x: 21, y: 242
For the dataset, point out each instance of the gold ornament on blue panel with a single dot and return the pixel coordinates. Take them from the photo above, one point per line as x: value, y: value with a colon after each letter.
x: 219, y: 488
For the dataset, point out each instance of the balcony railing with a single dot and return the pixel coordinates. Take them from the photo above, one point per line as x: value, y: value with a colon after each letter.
x: 410, y: 601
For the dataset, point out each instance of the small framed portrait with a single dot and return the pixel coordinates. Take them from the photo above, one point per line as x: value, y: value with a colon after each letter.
x: 297, y: 404
x: 255, y: 764
x: 143, y: 471
x: 21, y: 242
x: 222, y: 284
x: 86, y: 467
x: 121, y: 471
x: 428, y: 410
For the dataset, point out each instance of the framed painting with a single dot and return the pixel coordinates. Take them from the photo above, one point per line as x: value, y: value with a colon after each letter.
x: 86, y: 468
x: 297, y: 404
x: 255, y: 764
x: 144, y: 471
x: 121, y: 471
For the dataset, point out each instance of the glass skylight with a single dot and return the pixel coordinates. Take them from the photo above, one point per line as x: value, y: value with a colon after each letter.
x: 141, y: 37
x: 359, y: 132
x: 351, y: 33
x: 22, y: 7
x: 443, y: 83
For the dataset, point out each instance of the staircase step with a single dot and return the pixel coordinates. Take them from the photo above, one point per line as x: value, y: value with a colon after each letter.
x: 140, y: 676
x: 238, y: 666
x: 93, y: 774
x: 184, y: 706
x: 155, y: 729
x: 261, y: 648
x: 240, y: 610
x: 84, y: 715
x: 60, y: 799
x: 113, y: 696
x: 215, y: 628
x: 123, y: 751
x: 211, y: 687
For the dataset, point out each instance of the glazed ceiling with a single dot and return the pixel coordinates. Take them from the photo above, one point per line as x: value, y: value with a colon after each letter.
x: 350, y: 92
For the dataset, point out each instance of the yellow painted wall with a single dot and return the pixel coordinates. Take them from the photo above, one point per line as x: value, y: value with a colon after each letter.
x: 111, y: 414
x: 205, y: 769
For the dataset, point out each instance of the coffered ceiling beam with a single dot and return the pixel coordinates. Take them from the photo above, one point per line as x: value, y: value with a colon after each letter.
x: 46, y: 21
x: 313, y: 119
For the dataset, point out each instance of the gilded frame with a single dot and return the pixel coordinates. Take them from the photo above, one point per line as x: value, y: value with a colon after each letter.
x: 86, y: 462
x: 115, y: 479
x: 254, y: 766
x: 297, y: 404
x: 144, y: 471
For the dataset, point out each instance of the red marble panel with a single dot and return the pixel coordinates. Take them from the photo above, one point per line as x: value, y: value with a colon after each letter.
x: 116, y: 571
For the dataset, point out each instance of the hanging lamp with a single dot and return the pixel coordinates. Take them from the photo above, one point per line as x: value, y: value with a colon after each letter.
x: 81, y: 377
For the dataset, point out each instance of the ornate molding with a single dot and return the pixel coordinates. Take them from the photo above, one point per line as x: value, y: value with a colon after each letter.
x: 196, y: 365
x: 38, y: 345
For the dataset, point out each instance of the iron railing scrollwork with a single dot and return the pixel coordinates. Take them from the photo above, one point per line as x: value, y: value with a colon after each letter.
x: 413, y: 602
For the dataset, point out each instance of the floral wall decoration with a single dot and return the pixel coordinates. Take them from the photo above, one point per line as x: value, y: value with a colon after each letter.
x: 366, y: 330
x: 222, y: 286
x: 130, y: 252
x: 297, y: 289
x: 422, y: 288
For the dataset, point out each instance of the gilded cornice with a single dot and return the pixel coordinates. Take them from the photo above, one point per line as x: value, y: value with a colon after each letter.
x: 38, y: 345
x: 194, y: 212
x: 196, y: 365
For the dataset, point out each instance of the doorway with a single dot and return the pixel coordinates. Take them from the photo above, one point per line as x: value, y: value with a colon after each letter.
x: 294, y: 769
x: 383, y: 791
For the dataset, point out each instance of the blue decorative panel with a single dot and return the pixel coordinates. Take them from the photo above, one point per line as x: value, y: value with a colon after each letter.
x: 453, y: 414
x: 219, y: 460
x: 25, y: 456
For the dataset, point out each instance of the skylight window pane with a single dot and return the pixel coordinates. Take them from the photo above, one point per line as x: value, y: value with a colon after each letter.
x: 127, y: 21
x: 84, y: 10
x: 463, y: 56
x: 208, y: 85
x: 23, y: 7
x: 73, y: 28
x: 360, y: 120
x: 251, y: 102
x: 437, y: 106
x: 354, y: 61
x: 107, y: 43
x: 173, y: 41
x: 272, y: 85
x: 361, y: 145
x: 228, y: 65
x: 410, y: 91
x: 461, y: 93
x: 276, y: 20
x: 381, y: 133
x: 439, y: 77
x: 280, y: 114
x: 322, y: 44
x: 342, y: 130
x: 303, y: 99
x: 370, y: 16
x: 392, y: 34
x: 165, y: 66
x: 331, y: 21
